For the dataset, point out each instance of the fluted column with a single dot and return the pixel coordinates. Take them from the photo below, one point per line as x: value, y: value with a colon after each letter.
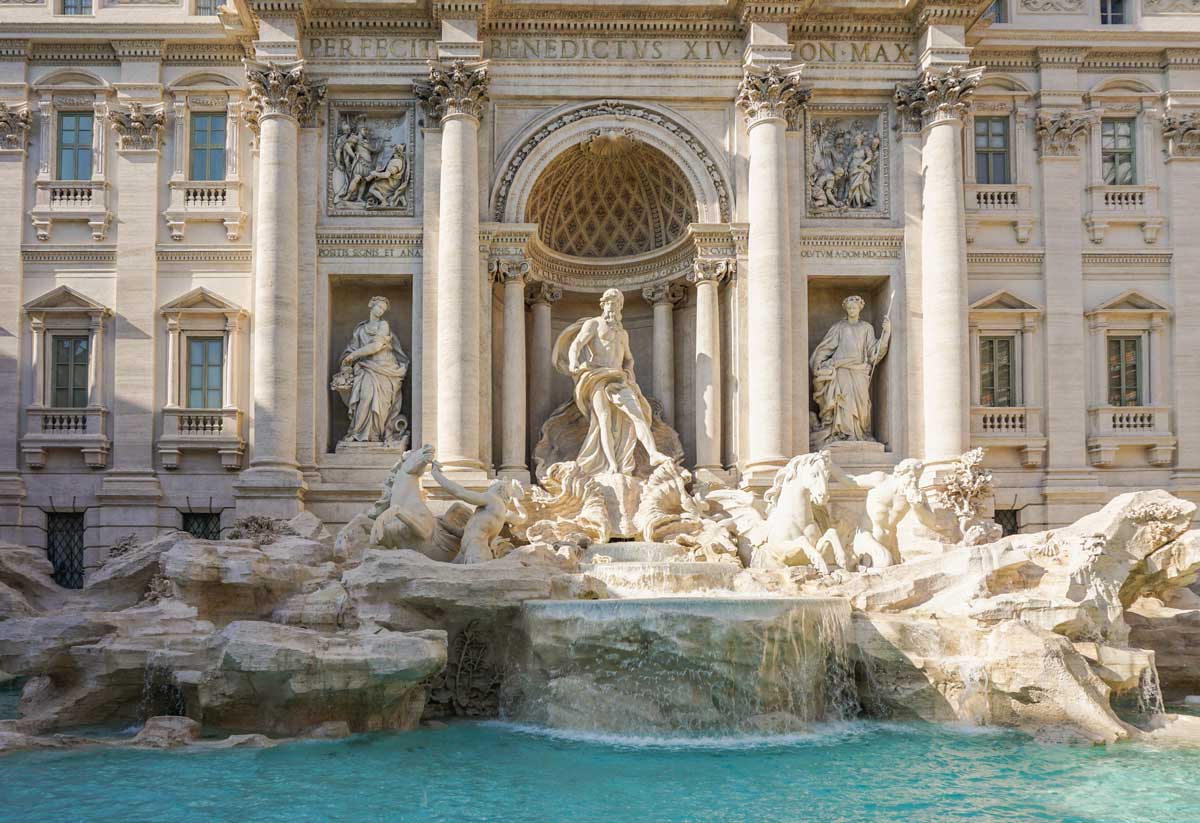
x: 663, y: 298
x: 512, y: 275
x: 281, y: 95
x: 540, y: 296
x: 941, y: 99
x: 707, y: 275
x: 454, y: 97
x: 15, y: 122
x: 766, y: 96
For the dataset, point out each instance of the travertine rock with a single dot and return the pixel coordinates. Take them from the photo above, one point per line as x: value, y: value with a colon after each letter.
x: 1172, y: 631
x: 123, y: 581
x: 25, y: 585
x: 309, y: 526
x: 577, y: 587
x: 284, y: 680
x: 167, y: 732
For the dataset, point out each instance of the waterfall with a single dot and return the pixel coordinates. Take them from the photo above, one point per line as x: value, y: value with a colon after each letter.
x: 647, y: 665
x: 160, y: 693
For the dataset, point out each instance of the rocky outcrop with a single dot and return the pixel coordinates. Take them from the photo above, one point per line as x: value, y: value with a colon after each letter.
x: 167, y: 732
x: 26, y: 588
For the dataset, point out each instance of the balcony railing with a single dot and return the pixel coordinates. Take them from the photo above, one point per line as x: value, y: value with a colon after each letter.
x: 215, y: 430
x: 1112, y: 427
x: 1123, y: 205
x: 71, y: 200
x: 999, y: 204
x: 212, y: 201
x: 48, y: 428
x: 1018, y: 427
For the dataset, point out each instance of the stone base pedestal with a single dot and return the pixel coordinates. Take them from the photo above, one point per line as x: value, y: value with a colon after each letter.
x: 352, y: 447
x: 270, y: 492
x: 128, y: 504
x: 859, y: 455
x: 12, y: 525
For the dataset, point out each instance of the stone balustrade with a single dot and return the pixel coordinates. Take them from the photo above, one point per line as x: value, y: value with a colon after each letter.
x: 1004, y: 204
x: 1117, y: 205
x: 1111, y: 427
x: 1017, y: 427
x: 71, y: 200
x: 71, y: 429
x: 212, y: 430
x: 212, y: 201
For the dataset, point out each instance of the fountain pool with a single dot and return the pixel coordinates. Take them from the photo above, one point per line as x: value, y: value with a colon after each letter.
x: 860, y: 772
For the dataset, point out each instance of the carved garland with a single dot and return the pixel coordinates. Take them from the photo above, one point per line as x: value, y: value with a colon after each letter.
x: 1059, y: 133
x: 1052, y: 6
x: 937, y: 96
x: 281, y: 88
x: 137, y: 128
x: 1182, y: 132
x: 1169, y: 6
x: 770, y: 93
x: 14, y: 127
x: 613, y: 108
x: 457, y: 89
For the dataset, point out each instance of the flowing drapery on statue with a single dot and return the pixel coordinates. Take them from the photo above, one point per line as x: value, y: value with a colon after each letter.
x: 373, y: 368
x: 595, y: 353
x: 842, y: 365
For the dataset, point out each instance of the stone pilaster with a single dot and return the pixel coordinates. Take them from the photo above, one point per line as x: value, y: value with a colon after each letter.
x: 454, y: 96
x: 664, y: 298
x: 939, y: 99
x: 707, y: 276
x: 541, y: 297
x: 512, y: 276
x: 15, y: 120
x: 767, y: 97
x: 281, y: 96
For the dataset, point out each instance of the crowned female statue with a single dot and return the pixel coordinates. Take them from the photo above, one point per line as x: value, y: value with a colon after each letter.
x: 373, y: 367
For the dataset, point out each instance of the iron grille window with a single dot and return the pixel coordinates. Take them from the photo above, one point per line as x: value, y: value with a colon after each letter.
x: 1124, y: 364
x: 208, y: 146
x: 64, y: 547
x: 204, y: 525
x: 204, y: 372
x: 1112, y: 12
x: 76, y: 7
x: 1117, y: 152
x: 70, y: 372
x: 991, y: 150
x: 75, y: 143
x: 1007, y: 518
x: 996, y: 371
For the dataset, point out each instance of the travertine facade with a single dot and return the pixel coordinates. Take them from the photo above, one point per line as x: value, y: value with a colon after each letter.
x: 199, y: 202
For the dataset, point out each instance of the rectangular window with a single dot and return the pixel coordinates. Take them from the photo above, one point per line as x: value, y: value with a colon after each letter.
x: 1008, y: 520
x: 1112, y: 12
x: 996, y: 371
x: 1124, y: 365
x: 998, y: 11
x: 991, y: 150
x: 76, y: 6
x: 1117, y: 152
x: 64, y: 547
x: 70, y: 384
x: 75, y: 145
x: 204, y: 525
x: 205, y: 363
x: 207, y: 8
x: 208, y: 146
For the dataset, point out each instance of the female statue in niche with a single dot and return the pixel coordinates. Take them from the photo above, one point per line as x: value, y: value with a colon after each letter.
x: 842, y: 366
x: 373, y: 367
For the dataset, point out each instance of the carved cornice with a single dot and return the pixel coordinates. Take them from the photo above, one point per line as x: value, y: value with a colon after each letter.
x: 713, y: 270
x: 539, y: 291
x: 132, y: 51
x: 14, y: 127
x: 771, y: 93
x: 508, y: 271
x: 770, y: 11
x: 138, y: 128
x: 670, y: 294
x: 1059, y: 132
x: 456, y: 90
x: 937, y: 96
x: 1061, y: 56
x: 281, y: 89
x: 457, y: 9
x: 1181, y: 131
x: 15, y: 49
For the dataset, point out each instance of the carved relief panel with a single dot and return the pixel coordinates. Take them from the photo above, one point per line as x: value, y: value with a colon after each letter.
x: 372, y: 147
x: 846, y: 162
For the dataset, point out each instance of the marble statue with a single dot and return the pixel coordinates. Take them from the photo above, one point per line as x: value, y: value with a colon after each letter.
x: 402, y: 519
x: 370, y: 379
x: 481, y: 535
x: 842, y: 365
x: 595, y: 353
x: 388, y: 187
x: 889, y: 498
x: 355, y: 152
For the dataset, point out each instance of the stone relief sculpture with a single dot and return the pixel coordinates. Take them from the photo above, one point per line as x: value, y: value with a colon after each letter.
x: 842, y: 365
x: 846, y: 164
x: 370, y: 380
x: 369, y: 158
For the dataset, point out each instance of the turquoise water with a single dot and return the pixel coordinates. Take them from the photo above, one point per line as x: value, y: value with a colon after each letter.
x: 858, y: 773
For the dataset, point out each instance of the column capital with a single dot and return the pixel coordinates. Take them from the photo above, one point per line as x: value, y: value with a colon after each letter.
x: 1181, y: 131
x: 505, y: 271
x: 14, y: 127
x: 771, y: 93
x: 1059, y: 132
x: 283, y: 89
x: 455, y: 89
x: 669, y: 294
x: 539, y: 291
x: 713, y: 270
x: 138, y: 128
x: 937, y: 96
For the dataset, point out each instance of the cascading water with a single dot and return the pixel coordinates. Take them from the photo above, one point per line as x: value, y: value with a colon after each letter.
x: 653, y: 664
x: 161, y: 693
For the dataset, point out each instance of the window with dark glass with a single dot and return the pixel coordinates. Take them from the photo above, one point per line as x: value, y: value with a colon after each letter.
x: 76, y: 6
x: 1117, y: 152
x: 998, y: 11
x: 208, y: 146
x: 1124, y: 364
x: 204, y: 525
x: 75, y: 145
x: 204, y: 372
x: 64, y: 547
x: 70, y: 384
x: 1112, y: 12
x: 1008, y: 520
x: 996, y: 371
x: 207, y: 8
x: 991, y: 150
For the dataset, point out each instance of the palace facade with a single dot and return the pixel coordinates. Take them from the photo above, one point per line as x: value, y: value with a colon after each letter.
x: 199, y: 202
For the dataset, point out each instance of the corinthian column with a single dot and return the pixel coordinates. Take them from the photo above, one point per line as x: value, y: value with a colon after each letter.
x: 707, y: 275
x: 454, y: 97
x: 512, y: 276
x: 664, y: 298
x: 766, y: 97
x: 281, y: 96
x: 540, y: 296
x: 940, y: 99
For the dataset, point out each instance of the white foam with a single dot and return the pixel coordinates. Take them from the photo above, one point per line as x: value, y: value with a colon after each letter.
x: 825, y: 734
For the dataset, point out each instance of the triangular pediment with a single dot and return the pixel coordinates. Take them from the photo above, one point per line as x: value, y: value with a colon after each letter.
x: 1003, y: 300
x: 63, y: 299
x: 1131, y: 300
x: 200, y: 299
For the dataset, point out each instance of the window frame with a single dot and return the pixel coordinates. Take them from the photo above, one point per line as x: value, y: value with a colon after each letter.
x: 1014, y: 373
x: 1140, y: 369
x: 61, y: 8
x: 197, y: 8
x: 52, y: 364
x: 1132, y: 151
x: 87, y: 151
x: 207, y: 148
x: 1105, y: 8
x: 208, y: 338
x: 989, y: 152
